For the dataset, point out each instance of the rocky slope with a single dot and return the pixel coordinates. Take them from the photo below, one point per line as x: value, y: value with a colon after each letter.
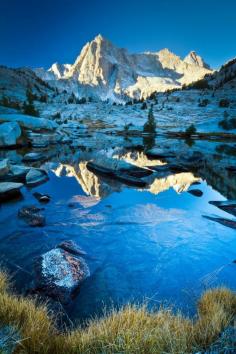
x: 15, y: 82
x: 106, y: 71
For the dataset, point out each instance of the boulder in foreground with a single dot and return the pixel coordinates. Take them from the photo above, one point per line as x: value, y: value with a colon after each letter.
x: 59, y: 274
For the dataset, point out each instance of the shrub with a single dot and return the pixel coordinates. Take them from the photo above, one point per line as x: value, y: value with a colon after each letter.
x: 6, y: 102
x: 127, y: 127
x: 44, y: 98
x: 150, y: 125
x: 199, y: 85
x: 72, y: 99
x: 144, y: 105
x: 31, y: 97
x: 57, y: 115
x: 81, y: 100
x: 228, y: 124
x: 224, y: 103
x: 191, y: 130
x: 29, y: 109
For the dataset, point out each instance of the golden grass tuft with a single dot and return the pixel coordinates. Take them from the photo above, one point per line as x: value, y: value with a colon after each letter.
x: 216, y: 310
x: 4, y: 282
x: 32, y: 322
x: 130, y: 330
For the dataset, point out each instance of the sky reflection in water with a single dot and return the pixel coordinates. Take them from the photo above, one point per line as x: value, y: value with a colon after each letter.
x: 140, y: 246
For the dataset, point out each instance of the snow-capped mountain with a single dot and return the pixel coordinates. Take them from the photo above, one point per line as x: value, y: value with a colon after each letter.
x: 106, y: 71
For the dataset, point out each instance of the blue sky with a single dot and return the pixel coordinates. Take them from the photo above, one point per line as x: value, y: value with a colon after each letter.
x: 39, y: 32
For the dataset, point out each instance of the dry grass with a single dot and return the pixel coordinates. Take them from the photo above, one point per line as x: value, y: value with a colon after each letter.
x: 4, y: 283
x: 216, y: 310
x: 131, y: 330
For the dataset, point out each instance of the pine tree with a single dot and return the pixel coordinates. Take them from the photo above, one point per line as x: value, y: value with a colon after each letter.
x: 29, y: 109
x: 150, y: 125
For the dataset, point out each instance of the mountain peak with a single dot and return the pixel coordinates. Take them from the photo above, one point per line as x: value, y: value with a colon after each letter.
x: 109, y: 71
x: 194, y: 58
x: 99, y: 38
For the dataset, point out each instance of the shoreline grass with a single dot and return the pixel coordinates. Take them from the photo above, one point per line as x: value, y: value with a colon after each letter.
x: 130, y: 330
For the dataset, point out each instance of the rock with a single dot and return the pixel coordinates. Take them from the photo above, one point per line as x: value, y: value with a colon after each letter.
x: 71, y: 247
x: 35, y: 177
x: 9, y: 190
x: 196, y: 192
x: 16, y: 173
x: 40, y: 140
x: 229, y: 206
x: 29, y: 122
x: 4, y: 167
x: 59, y: 274
x: 31, y: 215
x: 33, y: 156
x: 223, y: 221
x: 9, y: 133
x: 43, y: 198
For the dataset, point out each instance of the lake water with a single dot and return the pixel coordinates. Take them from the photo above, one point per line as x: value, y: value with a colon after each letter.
x: 150, y: 245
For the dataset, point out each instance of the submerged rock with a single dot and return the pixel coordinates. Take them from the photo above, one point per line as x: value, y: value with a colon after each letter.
x: 9, y: 133
x: 31, y: 215
x: 9, y: 190
x: 71, y: 247
x: 59, y: 274
x: 35, y: 177
x: 43, y: 198
x: 196, y: 192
